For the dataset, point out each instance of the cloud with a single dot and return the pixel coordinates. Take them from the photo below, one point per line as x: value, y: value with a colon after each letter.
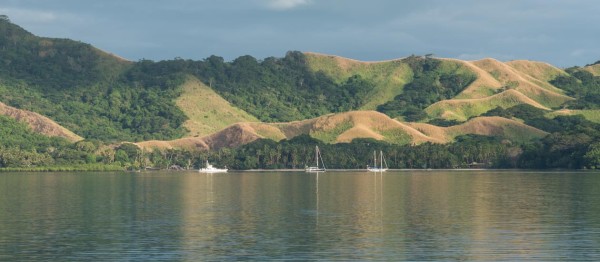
x: 286, y: 4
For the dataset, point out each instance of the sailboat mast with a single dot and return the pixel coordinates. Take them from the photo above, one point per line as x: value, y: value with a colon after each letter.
x: 317, y: 155
x: 381, y: 159
x: 374, y: 159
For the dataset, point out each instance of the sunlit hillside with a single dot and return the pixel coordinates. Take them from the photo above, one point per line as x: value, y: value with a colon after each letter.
x: 207, y: 112
x: 344, y: 127
x: 38, y: 123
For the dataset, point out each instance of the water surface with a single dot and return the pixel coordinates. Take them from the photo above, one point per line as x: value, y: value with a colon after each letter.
x: 437, y: 215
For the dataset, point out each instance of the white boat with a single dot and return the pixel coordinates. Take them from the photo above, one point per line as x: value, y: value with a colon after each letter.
x: 315, y: 169
x: 211, y: 169
x: 375, y: 168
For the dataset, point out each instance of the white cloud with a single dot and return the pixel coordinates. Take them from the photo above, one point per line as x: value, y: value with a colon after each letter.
x: 286, y: 4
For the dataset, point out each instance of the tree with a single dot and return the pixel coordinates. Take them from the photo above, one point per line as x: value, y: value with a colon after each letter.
x: 592, y: 156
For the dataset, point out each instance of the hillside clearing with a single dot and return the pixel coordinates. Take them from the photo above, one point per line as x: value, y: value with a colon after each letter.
x: 207, y: 111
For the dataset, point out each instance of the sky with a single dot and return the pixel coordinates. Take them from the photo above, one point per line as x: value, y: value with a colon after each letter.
x: 561, y: 32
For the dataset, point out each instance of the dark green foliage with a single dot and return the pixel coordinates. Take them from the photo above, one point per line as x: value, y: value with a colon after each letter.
x: 49, y: 62
x: 523, y: 111
x: 89, y: 92
x: 572, y: 138
x: 279, y: 89
x: 17, y: 134
x: 582, y: 85
x: 444, y: 122
x: 532, y: 116
x: 20, y: 146
x: 430, y: 84
x: 299, y: 152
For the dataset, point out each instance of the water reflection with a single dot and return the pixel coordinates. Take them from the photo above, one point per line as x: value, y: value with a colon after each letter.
x: 328, y: 216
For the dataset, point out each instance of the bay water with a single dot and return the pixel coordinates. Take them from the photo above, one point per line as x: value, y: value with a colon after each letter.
x: 262, y: 215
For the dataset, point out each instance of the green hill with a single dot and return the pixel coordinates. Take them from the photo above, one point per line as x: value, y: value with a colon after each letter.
x: 388, y: 77
x: 101, y: 96
x: 207, y: 112
x: 92, y: 93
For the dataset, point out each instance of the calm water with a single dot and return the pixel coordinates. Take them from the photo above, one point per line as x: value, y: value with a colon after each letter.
x: 273, y: 215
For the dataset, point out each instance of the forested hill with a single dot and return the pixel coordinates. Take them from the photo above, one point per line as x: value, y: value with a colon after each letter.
x: 99, y: 95
x: 90, y: 92
x: 104, y: 98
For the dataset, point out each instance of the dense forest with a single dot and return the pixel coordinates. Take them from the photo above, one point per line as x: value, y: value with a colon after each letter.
x: 582, y: 85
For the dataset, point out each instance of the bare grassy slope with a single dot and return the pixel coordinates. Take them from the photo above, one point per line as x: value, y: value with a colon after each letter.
x: 463, y: 109
x: 207, y: 111
x: 344, y: 127
x: 594, y: 69
x: 537, y: 70
x: 502, y: 84
x: 497, y: 126
x: 536, y: 89
x: 232, y: 136
x: 488, y: 126
x: 332, y: 128
x: 38, y: 123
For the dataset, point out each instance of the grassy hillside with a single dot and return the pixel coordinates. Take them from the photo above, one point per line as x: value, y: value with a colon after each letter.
x: 388, y: 77
x: 463, y: 109
x: 540, y: 71
x: 101, y: 96
x: 540, y: 91
x: 38, y: 123
x: 207, y: 112
x: 346, y: 127
x: 589, y: 114
x: 594, y: 69
x: 487, y: 126
x: 92, y: 93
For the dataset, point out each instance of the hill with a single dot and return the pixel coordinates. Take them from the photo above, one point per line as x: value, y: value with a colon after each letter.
x: 38, y: 123
x: 345, y: 127
x: 487, y: 126
x: 589, y: 114
x: 388, y: 77
x: 101, y: 96
x: 594, y: 69
x: 463, y: 109
x: 529, y: 78
x: 207, y: 112
x: 93, y: 93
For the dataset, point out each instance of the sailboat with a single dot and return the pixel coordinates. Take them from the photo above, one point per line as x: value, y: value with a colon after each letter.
x: 381, y: 163
x: 211, y: 169
x: 313, y: 169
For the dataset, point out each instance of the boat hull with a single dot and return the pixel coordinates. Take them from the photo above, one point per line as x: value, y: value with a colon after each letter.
x: 314, y: 170
x: 211, y: 171
x: 377, y: 169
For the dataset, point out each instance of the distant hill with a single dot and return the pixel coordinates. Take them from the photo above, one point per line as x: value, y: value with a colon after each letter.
x: 93, y: 93
x: 213, y: 103
x: 345, y: 127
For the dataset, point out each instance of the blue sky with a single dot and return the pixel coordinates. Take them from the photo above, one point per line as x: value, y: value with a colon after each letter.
x: 563, y: 33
